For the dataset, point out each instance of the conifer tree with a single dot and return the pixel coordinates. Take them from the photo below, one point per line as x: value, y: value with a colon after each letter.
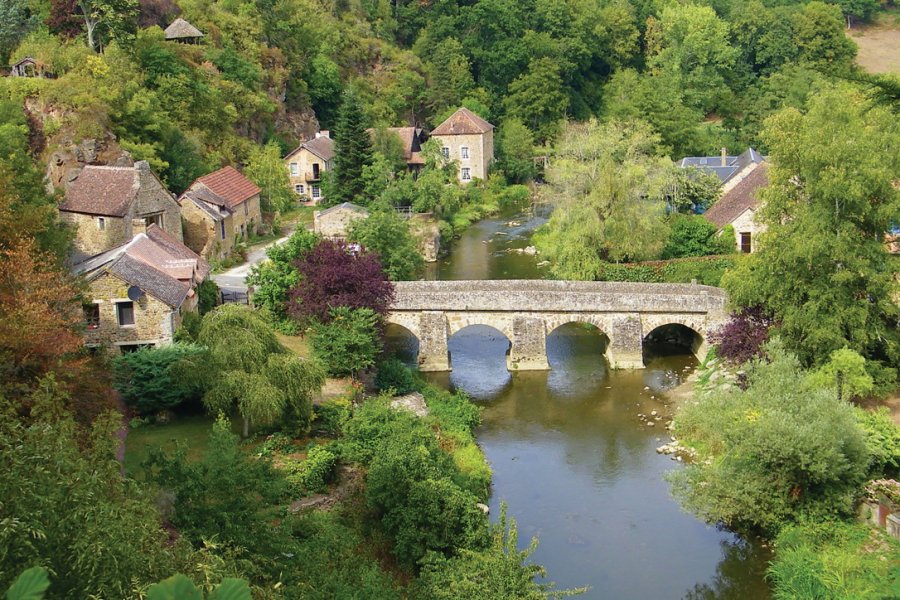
x: 353, y: 151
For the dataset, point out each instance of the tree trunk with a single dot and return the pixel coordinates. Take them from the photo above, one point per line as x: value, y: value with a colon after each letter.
x: 246, y: 427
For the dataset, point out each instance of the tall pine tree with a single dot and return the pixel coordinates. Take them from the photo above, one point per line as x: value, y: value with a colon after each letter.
x: 352, y: 152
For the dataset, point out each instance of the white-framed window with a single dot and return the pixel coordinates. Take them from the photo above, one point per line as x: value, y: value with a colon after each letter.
x: 316, y: 193
x: 464, y: 152
x: 125, y: 314
x: 295, y: 169
x: 445, y: 152
x: 156, y: 219
x: 466, y: 174
x: 302, y: 189
x: 101, y: 223
x: 298, y: 188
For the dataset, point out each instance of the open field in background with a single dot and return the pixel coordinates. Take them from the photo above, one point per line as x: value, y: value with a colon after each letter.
x: 879, y: 44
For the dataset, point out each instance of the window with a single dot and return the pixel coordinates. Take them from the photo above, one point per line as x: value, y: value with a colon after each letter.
x: 746, y: 244
x: 125, y: 314
x: 295, y: 170
x: 129, y: 348
x: 464, y: 152
x: 156, y: 219
x: 466, y: 174
x: 246, y: 208
x: 298, y: 188
x: 101, y: 223
x: 315, y: 191
x: 92, y: 315
x: 222, y: 229
x: 315, y: 170
x: 445, y: 152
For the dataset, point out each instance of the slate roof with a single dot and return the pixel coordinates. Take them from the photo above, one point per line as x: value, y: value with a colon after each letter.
x: 463, y: 122
x: 738, y: 199
x: 345, y: 206
x: 107, y: 191
x: 201, y: 197
x: 181, y: 29
x: 155, y: 262
x: 713, y: 164
x: 229, y: 185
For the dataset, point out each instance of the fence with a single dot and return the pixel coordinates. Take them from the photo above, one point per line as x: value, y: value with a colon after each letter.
x: 233, y: 296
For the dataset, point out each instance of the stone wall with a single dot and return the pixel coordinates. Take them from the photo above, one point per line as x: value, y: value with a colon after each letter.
x: 746, y: 223
x: 246, y: 215
x: 481, y: 152
x: 202, y: 233
x: 154, y: 199
x: 90, y: 239
x: 336, y: 223
x: 154, y: 321
x: 424, y: 228
x: 305, y: 159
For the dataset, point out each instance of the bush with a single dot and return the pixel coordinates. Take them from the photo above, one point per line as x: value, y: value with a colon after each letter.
x: 312, y: 474
x: 706, y: 270
x: 742, y: 337
x: 394, y: 375
x: 453, y: 411
x: 693, y: 235
x: 349, y: 342
x: 772, y: 453
x: 882, y: 440
x: 208, y: 293
x: 372, y: 423
x: 147, y: 381
x: 331, y: 417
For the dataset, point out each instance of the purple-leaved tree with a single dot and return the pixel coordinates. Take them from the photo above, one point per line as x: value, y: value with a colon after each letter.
x: 333, y: 274
x: 742, y: 337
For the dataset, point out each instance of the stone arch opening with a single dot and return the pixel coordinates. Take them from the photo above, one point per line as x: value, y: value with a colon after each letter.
x: 402, y: 343
x: 672, y: 339
x: 478, y: 359
x: 578, y: 344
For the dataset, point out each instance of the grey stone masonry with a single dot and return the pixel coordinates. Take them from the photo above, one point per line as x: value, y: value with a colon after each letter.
x: 525, y: 311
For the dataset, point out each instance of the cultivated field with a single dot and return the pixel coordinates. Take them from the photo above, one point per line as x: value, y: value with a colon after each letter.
x: 879, y: 44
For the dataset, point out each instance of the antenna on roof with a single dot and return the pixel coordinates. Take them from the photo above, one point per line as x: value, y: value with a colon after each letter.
x: 135, y: 293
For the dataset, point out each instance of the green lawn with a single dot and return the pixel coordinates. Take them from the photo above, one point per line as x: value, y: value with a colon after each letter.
x: 193, y: 431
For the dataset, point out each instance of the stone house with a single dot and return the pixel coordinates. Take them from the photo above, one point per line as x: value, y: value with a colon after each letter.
x: 411, y: 139
x: 183, y: 32
x: 219, y: 210
x: 107, y: 205
x: 737, y: 207
x: 469, y: 140
x: 140, y: 291
x: 307, y: 162
x: 27, y: 67
x: 334, y: 222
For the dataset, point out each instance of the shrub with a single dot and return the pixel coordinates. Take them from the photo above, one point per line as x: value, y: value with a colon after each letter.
x: 147, y: 381
x: 474, y: 473
x: 394, y: 375
x: 453, y: 411
x: 742, y: 337
x: 372, y: 423
x: 348, y: 342
x: 777, y: 451
x: 312, y: 474
x: 208, y: 293
x: 693, y: 235
x: 882, y: 440
x: 331, y: 417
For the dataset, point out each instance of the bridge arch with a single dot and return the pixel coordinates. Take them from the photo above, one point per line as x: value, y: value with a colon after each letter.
x: 401, y: 342
x: 675, y: 333
x: 559, y: 347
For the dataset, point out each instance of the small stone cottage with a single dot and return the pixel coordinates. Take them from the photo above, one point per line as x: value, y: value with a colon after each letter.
x: 183, y: 32
x: 219, y: 210
x: 140, y: 291
x: 468, y: 139
x: 334, y: 223
x: 411, y: 140
x: 107, y: 205
x: 737, y: 207
x: 307, y: 163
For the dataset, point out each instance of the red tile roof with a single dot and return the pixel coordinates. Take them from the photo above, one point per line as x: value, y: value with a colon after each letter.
x: 107, y: 191
x: 463, y: 122
x: 229, y: 184
x: 739, y: 198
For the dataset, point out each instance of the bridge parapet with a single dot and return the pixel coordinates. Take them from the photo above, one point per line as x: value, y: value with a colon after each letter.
x: 525, y: 311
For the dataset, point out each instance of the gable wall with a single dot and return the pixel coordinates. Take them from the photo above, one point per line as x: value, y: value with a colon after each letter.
x: 89, y: 239
x: 481, y: 152
x: 305, y: 159
x: 153, y: 198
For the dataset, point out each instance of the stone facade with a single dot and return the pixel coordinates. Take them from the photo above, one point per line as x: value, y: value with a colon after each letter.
x: 527, y: 311
x: 334, y: 223
x: 474, y: 152
x: 154, y: 321
x: 204, y: 235
x: 747, y: 229
x: 305, y: 169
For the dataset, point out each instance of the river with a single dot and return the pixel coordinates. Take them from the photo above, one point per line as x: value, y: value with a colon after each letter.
x: 573, y: 460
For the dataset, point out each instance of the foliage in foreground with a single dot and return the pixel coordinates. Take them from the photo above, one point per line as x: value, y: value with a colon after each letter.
x: 349, y: 342
x: 835, y: 560
x: 149, y: 379
x: 498, y: 572
x: 773, y: 453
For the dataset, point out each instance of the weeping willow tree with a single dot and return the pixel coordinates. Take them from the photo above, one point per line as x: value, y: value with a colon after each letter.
x: 609, y: 190
x: 247, y: 368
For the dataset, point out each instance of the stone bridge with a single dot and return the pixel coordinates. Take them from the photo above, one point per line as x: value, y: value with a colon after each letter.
x: 525, y: 311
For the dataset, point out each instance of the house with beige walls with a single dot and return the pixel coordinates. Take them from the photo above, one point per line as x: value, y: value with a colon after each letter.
x: 411, y: 140
x: 107, y: 206
x: 738, y: 205
x: 140, y: 291
x: 219, y: 210
x: 306, y: 164
x: 334, y: 223
x: 469, y: 140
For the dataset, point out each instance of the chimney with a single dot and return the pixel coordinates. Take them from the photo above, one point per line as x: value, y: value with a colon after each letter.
x: 323, y: 134
x: 142, y: 165
x: 138, y: 225
x: 724, y: 156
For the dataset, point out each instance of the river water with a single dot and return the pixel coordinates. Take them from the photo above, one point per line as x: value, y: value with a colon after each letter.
x: 573, y: 460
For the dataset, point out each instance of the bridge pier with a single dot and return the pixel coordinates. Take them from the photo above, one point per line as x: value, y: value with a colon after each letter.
x: 433, y: 352
x: 626, y: 343
x: 529, y: 345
